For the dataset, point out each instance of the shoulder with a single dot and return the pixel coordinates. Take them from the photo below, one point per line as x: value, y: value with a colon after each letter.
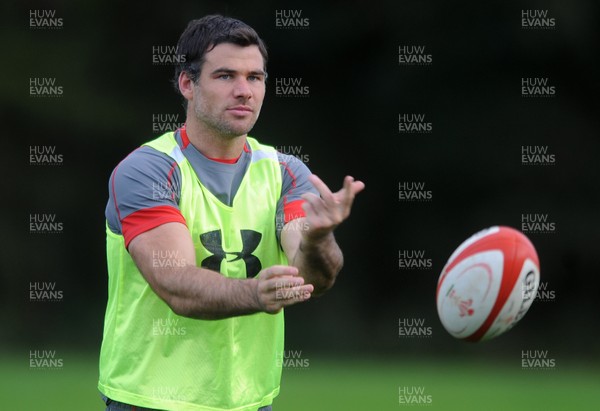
x: 144, y: 160
x: 292, y: 167
x: 144, y: 180
x: 145, y: 173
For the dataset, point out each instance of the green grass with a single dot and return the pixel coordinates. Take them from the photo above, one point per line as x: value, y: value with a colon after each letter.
x: 363, y: 385
x: 343, y: 384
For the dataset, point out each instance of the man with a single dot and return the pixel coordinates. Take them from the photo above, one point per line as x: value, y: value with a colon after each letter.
x: 210, y: 234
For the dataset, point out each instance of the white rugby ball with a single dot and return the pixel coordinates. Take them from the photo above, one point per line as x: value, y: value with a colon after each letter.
x: 488, y: 284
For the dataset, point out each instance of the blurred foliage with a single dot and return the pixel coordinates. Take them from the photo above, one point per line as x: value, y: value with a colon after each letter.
x: 102, y: 57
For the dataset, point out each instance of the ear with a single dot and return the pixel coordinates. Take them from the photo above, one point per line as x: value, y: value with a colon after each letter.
x: 186, y: 86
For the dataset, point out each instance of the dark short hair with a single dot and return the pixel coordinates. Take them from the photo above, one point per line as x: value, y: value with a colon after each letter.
x: 202, y: 35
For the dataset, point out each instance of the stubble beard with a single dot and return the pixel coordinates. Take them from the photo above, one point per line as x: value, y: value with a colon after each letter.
x: 219, y: 125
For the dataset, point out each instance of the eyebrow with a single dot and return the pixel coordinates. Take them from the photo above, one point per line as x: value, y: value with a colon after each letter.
x: 231, y: 71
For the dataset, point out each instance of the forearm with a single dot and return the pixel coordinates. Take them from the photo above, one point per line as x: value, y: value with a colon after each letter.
x: 166, y: 258
x: 204, y: 294
x: 319, y: 261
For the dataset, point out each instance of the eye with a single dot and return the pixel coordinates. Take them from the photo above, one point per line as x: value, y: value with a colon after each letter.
x: 254, y: 78
x: 224, y: 76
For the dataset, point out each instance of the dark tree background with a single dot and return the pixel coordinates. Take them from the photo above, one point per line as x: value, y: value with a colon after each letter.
x: 348, y: 56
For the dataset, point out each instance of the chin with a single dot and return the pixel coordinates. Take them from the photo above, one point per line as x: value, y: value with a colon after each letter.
x: 241, y: 130
x: 234, y: 132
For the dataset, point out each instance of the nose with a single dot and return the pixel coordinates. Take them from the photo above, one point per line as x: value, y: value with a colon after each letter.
x: 242, y: 89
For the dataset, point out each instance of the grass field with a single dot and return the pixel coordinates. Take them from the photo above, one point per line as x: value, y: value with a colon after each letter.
x: 343, y: 384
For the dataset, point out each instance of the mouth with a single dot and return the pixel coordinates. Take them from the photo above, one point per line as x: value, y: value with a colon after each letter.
x: 240, y: 110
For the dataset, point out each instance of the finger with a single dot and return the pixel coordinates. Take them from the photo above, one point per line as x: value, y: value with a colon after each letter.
x: 349, y: 194
x: 278, y: 270
x: 322, y: 188
x: 352, y: 187
x: 294, y: 295
x: 357, y: 187
x: 283, y: 283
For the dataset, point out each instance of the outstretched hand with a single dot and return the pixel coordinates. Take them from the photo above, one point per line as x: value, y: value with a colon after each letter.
x: 325, y: 213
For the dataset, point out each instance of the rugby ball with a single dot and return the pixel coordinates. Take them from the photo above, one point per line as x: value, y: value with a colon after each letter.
x: 488, y: 284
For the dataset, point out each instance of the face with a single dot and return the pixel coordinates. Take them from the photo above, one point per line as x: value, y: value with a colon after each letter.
x: 228, y: 95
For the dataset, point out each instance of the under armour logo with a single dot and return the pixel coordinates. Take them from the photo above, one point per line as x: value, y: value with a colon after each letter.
x: 213, y: 242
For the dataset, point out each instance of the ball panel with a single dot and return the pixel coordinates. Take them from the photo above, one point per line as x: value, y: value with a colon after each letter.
x: 462, y: 250
x: 519, y: 300
x: 505, y: 242
x: 467, y: 294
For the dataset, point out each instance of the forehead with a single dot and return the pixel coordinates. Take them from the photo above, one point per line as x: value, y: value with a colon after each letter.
x: 233, y: 56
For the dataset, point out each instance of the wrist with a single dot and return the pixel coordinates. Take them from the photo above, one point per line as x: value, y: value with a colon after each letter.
x: 255, y: 303
x: 315, y: 240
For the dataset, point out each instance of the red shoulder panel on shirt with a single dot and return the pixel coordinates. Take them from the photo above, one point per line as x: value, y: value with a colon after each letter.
x: 147, y: 219
x: 293, y: 210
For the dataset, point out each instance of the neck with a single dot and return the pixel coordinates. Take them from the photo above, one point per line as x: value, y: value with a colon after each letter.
x: 210, y: 143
